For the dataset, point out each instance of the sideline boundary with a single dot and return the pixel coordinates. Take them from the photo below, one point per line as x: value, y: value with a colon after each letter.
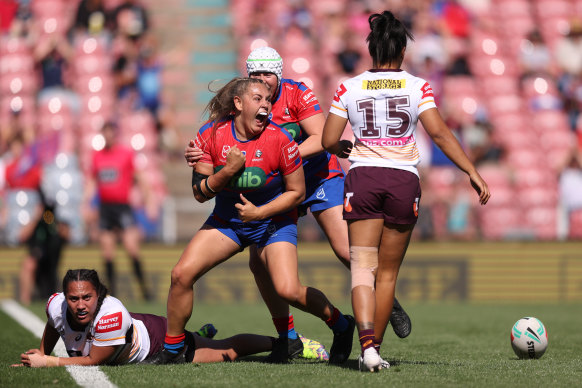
x: 85, y: 376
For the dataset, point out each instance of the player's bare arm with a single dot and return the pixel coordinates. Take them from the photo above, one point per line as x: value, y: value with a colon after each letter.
x: 206, y: 184
x: 448, y: 143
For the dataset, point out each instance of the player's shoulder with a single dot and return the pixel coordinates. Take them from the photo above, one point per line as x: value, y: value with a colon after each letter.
x: 277, y: 131
x: 288, y: 84
x: 54, y: 302
x: 111, y: 316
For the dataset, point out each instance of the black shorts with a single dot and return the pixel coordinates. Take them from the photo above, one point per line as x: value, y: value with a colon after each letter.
x: 381, y: 192
x: 157, y: 327
x: 115, y: 216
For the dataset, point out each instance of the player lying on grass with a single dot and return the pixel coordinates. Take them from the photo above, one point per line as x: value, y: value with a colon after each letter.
x: 98, y: 330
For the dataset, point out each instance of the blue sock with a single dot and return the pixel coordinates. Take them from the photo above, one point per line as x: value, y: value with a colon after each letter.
x: 292, y: 334
x: 175, y: 344
x: 337, y: 322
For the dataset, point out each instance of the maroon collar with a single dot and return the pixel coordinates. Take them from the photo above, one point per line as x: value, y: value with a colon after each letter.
x: 384, y: 70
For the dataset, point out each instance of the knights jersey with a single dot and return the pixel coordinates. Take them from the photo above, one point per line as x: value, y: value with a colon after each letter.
x: 113, y: 325
x: 295, y: 102
x: 269, y: 156
x: 113, y: 169
x: 383, y: 108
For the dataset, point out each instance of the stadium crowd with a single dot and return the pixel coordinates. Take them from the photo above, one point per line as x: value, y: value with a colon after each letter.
x: 67, y: 70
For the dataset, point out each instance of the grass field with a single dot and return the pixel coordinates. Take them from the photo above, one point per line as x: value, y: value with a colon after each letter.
x: 451, y: 345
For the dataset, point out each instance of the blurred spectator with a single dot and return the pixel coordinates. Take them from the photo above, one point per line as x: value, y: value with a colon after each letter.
x: 570, y: 184
x: 481, y: 146
x: 43, y: 235
x: 148, y: 78
x: 113, y: 172
x: 130, y: 19
x: 455, y: 19
x: 349, y: 57
x: 297, y: 16
x: 569, y: 58
x: 427, y: 43
x: 53, y: 56
x: 23, y: 170
x: 569, y: 50
x: 535, y: 57
x: 125, y: 71
x: 8, y: 9
x: 91, y: 17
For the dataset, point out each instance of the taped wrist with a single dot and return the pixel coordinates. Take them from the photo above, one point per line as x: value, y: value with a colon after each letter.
x: 197, y: 180
x: 51, y: 361
x: 363, y: 266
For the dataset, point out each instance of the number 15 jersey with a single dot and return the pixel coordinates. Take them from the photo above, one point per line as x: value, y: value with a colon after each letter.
x: 383, y: 107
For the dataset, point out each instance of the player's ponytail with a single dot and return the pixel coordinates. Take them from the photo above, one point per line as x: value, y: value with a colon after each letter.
x: 387, y: 38
x: 86, y: 275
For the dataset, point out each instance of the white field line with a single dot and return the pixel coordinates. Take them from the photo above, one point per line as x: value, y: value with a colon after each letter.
x: 85, y: 376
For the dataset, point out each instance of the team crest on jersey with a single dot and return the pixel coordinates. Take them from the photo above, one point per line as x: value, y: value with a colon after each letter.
x: 258, y: 153
x: 225, y: 149
x: 271, y: 229
x: 383, y: 84
x: 109, y: 323
x: 287, y: 111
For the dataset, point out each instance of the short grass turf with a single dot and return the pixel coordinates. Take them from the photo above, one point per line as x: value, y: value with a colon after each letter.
x: 451, y: 345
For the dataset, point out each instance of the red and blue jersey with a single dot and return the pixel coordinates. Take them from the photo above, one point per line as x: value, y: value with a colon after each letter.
x: 269, y: 156
x: 295, y: 102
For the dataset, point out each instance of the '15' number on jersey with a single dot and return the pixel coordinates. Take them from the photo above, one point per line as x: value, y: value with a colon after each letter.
x: 397, y: 117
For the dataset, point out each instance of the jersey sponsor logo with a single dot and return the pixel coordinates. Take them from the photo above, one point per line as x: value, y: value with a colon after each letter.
x: 347, y: 204
x: 415, y: 206
x: 271, y: 229
x: 383, y: 84
x: 320, y: 193
x: 249, y: 178
x: 109, y: 323
x: 108, y: 175
x: 291, y: 151
x: 339, y: 92
x: 78, y: 337
x: 426, y: 91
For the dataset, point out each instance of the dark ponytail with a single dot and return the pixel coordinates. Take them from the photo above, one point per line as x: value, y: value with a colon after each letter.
x: 86, y: 275
x: 387, y: 38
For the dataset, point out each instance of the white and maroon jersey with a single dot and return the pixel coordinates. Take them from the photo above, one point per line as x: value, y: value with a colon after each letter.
x: 383, y: 108
x: 110, y: 327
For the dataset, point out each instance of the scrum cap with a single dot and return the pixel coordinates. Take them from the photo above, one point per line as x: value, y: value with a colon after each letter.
x: 265, y: 59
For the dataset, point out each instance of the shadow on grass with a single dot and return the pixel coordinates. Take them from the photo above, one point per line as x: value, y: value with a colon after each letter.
x: 352, y: 364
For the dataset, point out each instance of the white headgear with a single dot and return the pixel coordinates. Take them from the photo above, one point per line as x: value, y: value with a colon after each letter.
x: 265, y: 59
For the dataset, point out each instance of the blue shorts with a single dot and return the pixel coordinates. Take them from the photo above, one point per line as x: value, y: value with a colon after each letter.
x: 260, y: 233
x: 323, y: 194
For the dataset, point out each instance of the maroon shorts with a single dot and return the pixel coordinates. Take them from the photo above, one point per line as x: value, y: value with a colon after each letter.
x: 381, y: 192
x: 157, y: 327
